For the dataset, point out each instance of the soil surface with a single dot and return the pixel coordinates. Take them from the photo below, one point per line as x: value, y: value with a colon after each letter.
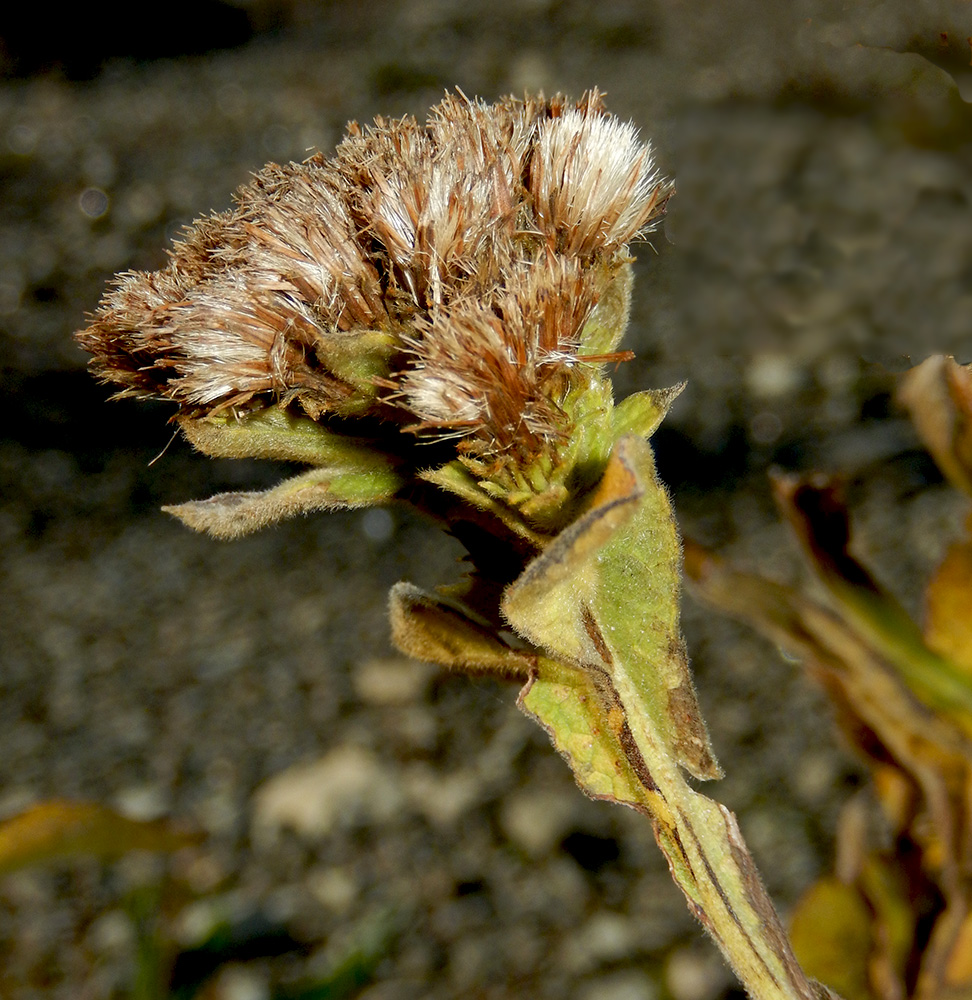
x: 356, y: 803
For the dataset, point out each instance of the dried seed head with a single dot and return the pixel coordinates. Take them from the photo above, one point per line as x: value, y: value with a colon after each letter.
x: 593, y: 183
x: 437, y: 276
x: 493, y: 372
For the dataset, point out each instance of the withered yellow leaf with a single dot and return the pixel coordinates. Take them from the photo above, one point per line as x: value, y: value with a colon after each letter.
x: 832, y: 936
x: 948, y: 607
x: 876, y: 709
x: 958, y: 971
x: 59, y: 829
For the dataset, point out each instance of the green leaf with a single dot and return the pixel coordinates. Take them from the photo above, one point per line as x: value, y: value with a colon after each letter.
x: 606, y: 592
x: 232, y: 515
x: 613, y: 690
x: 566, y: 703
x: 369, y: 942
x: 642, y: 412
x: 275, y: 433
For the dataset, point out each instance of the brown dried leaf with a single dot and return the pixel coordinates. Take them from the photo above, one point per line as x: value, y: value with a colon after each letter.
x: 820, y: 520
x: 938, y: 395
x: 427, y: 628
x: 875, y: 708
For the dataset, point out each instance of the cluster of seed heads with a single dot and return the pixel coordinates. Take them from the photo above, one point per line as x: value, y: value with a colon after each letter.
x: 436, y: 277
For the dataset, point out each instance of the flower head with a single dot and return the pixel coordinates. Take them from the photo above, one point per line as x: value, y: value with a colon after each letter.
x: 461, y: 282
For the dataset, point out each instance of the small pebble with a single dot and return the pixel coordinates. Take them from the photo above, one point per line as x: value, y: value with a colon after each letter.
x: 345, y: 787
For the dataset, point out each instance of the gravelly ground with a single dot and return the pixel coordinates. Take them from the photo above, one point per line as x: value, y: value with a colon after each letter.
x: 821, y: 235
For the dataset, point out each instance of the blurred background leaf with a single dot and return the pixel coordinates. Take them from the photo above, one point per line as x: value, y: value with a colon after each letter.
x: 59, y: 829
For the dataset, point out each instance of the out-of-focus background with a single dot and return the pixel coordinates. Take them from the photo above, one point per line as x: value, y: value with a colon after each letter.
x: 820, y: 242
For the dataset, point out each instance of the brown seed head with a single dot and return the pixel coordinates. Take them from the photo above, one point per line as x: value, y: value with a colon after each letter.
x: 444, y: 270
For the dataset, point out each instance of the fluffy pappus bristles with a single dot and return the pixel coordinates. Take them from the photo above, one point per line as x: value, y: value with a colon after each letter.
x: 494, y: 372
x: 594, y: 184
x: 444, y: 270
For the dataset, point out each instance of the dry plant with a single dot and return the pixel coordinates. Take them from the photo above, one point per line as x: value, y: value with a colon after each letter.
x: 428, y: 317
